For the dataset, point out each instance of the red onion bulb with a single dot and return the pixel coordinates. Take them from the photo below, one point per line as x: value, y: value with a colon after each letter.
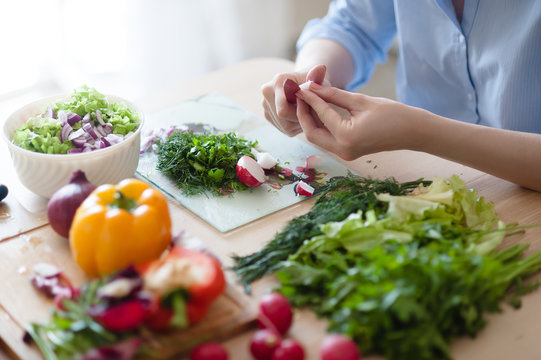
x: 65, y: 201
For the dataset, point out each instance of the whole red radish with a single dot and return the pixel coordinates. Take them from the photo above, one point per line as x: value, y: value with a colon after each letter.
x: 288, y: 350
x: 209, y: 351
x: 263, y: 344
x: 249, y: 172
x: 275, y: 308
x: 339, y: 347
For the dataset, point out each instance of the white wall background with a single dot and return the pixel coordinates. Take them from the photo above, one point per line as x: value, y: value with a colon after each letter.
x: 133, y: 48
x: 136, y: 47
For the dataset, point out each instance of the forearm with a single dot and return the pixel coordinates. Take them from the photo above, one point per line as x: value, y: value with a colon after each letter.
x: 511, y: 155
x: 340, y: 68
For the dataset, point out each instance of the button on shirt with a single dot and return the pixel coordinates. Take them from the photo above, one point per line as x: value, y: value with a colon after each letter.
x: 484, y: 70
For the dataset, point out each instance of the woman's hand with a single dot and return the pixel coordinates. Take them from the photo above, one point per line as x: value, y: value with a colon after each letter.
x: 352, y: 124
x: 278, y: 110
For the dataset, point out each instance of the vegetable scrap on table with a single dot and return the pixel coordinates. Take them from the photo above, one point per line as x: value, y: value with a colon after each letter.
x: 403, y: 270
x: 124, y: 314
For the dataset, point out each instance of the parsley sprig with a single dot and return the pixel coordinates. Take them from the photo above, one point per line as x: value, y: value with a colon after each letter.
x: 406, y: 282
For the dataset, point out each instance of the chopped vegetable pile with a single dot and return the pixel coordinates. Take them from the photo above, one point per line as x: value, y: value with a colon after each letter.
x: 84, y: 122
x: 119, y: 316
x: 203, y: 162
x: 402, y: 275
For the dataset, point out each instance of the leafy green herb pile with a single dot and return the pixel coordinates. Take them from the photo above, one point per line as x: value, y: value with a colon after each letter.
x: 403, y: 280
x: 339, y: 198
x: 203, y: 162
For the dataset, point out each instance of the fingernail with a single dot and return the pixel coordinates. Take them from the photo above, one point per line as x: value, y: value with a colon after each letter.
x: 315, y: 86
x: 299, y: 95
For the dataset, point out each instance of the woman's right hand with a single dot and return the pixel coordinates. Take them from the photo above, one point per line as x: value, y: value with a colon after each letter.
x: 278, y: 111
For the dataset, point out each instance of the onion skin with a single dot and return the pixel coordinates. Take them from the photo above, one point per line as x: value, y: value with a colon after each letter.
x: 65, y: 201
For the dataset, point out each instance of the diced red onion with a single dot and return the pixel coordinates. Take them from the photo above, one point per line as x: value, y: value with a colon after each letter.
x: 73, y: 118
x: 100, y: 131
x: 114, y: 138
x: 86, y: 118
x: 171, y: 130
x: 90, y: 130
x: 49, y: 113
x: 62, y: 117
x: 76, y: 134
x: 66, y: 131
x: 99, y: 117
x: 75, y: 150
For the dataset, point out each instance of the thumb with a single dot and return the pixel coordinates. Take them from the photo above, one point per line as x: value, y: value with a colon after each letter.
x: 317, y: 74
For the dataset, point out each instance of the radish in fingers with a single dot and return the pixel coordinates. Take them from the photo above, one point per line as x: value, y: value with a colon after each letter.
x: 290, y: 88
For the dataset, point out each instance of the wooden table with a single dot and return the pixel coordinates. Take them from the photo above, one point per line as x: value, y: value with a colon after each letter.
x: 510, y: 335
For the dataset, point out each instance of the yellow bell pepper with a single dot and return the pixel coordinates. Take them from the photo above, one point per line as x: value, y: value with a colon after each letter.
x: 119, y: 225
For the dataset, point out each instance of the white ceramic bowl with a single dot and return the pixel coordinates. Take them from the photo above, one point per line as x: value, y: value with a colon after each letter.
x: 44, y: 174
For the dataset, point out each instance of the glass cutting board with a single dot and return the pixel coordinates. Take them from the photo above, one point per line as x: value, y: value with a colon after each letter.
x: 226, y: 213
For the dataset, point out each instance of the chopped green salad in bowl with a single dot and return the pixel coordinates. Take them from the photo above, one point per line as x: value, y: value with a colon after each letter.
x: 84, y: 122
x: 51, y: 138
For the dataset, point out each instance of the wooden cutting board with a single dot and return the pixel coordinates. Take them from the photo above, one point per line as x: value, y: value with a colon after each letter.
x: 21, y: 304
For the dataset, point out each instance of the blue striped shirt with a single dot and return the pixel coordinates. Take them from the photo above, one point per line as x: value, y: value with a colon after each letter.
x: 484, y: 70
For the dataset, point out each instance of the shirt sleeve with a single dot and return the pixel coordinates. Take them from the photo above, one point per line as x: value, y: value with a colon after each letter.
x: 366, y: 28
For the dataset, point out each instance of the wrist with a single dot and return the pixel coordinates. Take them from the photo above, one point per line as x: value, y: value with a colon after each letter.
x: 419, y: 129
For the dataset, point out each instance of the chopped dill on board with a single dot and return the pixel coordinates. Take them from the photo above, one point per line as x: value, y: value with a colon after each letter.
x: 200, y: 162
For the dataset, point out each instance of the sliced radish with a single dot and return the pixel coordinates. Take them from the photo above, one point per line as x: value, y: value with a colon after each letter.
x: 266, y: 160
x: 306, y: 85
x: 249, y: 172
x: 312, y: 162
x: 302, y: 188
